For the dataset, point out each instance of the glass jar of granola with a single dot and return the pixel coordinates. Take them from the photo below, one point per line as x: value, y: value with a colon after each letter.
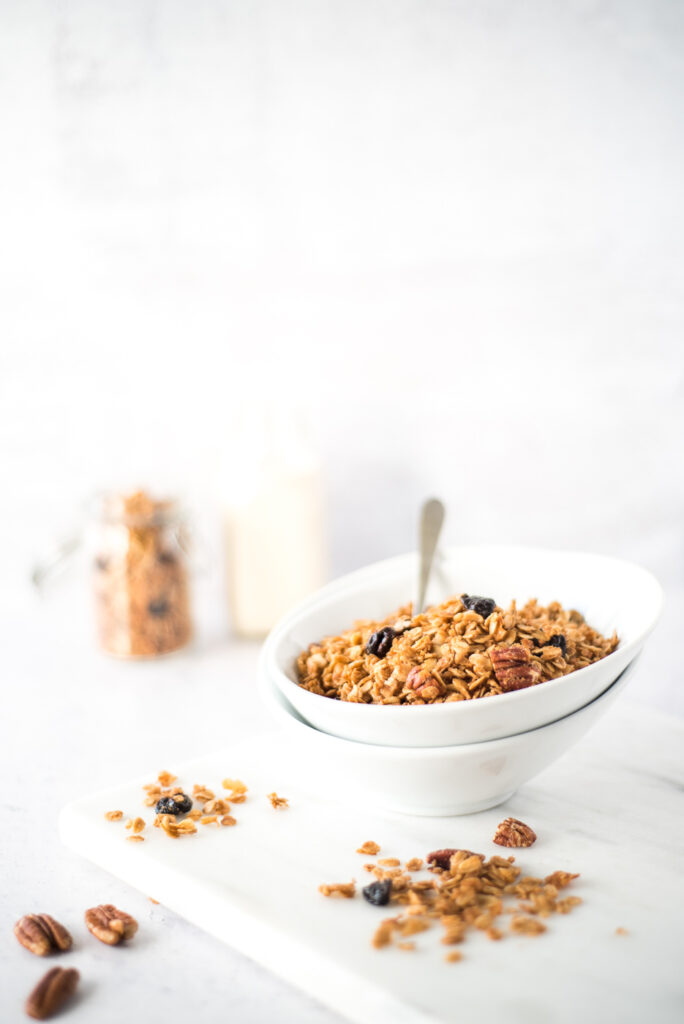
x: 140, y: 574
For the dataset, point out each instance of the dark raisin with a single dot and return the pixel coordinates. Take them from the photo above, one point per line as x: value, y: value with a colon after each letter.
x: 179, y: 803
x: 379, y: 643
x: 166, y: 558
x: 378, y: 893
x: 484, y: 606
x: 158, y: 608
x: 558, y: 640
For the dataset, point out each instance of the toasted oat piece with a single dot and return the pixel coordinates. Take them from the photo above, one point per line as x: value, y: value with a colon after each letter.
x: 560, y: 879
x: 414, y: 864
x: 389, y: 862
x: 228, y: 819
x: 526, y: 925
x: 407, y: 947
x: 277, y: 802
x: 166, y: 778
x: 113, y: 815
x: 453, y: 957
x: 343, y: 890
x: 383, y: 934
x: 369, y: 848
x: 234, y: 785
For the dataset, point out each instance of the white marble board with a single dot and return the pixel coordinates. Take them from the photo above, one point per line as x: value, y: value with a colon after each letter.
x: 611, y: 809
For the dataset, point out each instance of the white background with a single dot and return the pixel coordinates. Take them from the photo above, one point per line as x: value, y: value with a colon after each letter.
x: 451, y: 233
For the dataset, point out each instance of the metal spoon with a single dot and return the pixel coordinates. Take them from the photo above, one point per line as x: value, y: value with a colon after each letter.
x: 431, y: 520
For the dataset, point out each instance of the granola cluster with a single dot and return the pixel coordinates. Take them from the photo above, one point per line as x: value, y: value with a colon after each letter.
x: 205, y: 807
x: 467, y: 891
x: 459, y: 650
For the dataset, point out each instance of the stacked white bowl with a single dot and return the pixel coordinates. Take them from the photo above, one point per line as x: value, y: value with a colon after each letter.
x: 463, y: 756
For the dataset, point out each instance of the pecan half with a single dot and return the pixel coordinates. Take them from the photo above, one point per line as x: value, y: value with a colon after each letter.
x: 41, y: 934
x: 514, y: 668
x: 441, y: 858
x: 110, y: 925
x: 51, y: 992
x: 512, y: 832
x: 424, y: 684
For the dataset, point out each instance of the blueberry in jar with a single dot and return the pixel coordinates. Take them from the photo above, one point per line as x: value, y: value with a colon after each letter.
x: 158, y: 608
x: 179, y: 803
x: 483, y: 606
x: 379, y: 643
x: 378, y: 893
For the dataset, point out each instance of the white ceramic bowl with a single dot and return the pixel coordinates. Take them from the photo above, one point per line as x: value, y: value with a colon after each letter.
x: 432, y: 781
x: 611, y: 594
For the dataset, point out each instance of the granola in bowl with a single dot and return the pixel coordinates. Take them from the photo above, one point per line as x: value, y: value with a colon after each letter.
x: 465, y: 648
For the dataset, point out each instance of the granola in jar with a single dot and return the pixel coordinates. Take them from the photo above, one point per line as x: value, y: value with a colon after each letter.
x: 141, y: 577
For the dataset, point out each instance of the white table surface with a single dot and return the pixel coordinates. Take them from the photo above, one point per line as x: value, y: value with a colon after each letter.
x: 74, y: 722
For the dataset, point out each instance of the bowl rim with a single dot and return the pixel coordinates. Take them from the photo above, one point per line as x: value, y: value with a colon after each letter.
x: 344, y: 584
x: 413, y: 753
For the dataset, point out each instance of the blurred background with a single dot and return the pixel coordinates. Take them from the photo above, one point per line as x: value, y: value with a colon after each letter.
x: 444, y: 239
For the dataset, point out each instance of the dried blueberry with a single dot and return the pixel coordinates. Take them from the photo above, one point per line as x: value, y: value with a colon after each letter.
x: 558, y: 640
x: 379, y: 643
x: 158, y: 608
x: 179, y: 803
x: 378, y: 893
x: 484, y: 606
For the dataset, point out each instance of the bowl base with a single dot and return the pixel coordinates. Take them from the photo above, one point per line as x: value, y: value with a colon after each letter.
x: 445, y: 810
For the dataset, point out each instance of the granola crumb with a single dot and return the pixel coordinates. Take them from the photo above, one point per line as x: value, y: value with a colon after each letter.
x: 234, y: 785
x: 560, y: 879
x: 209, y: 819
x: 342, y: 890
x: 621, y: 931
x: 414, y: 864
x: 202, y: 794
x: 389, y: 862
x: 369, y: 847
x: 152, y: 900
x: 278, y: 801
x: 138, y: 825
x: 228, y: 819
x: 383, y: 934
x: 453, y: 957
x: 166, y: 778
x: 135, y: 839
x: 527, y: 925
x: 408, y: 947
x: 114, y: 815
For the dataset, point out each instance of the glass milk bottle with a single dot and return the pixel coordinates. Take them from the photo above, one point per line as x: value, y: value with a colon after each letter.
x: 275, y: 545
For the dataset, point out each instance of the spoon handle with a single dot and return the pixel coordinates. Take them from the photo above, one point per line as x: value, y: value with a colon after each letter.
x: 431, y: 520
